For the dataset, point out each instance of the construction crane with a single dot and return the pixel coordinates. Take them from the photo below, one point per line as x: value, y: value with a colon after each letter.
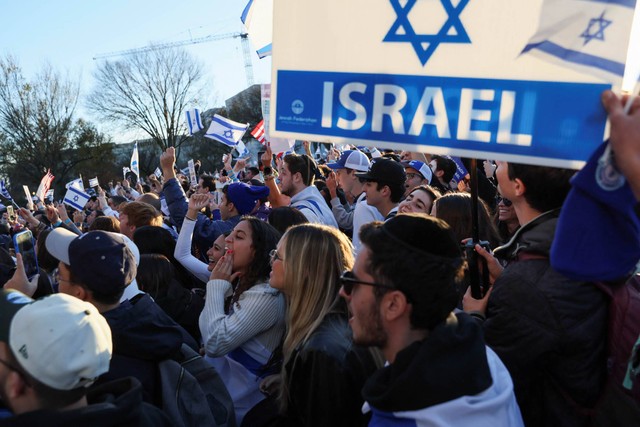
x: 244, y: 41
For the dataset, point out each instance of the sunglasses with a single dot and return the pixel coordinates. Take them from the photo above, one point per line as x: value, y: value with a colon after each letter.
x: 504, y: 201
x: 348, y: 280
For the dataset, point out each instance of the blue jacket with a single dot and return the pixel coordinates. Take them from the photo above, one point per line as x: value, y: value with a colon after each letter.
x: 206, y: 230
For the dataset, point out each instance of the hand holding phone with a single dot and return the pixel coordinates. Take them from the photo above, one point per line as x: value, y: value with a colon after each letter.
x: 23, y: 244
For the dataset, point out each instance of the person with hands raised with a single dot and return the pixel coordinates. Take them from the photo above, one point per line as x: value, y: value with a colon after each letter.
x: 243, y: 318
x: 276, y: 198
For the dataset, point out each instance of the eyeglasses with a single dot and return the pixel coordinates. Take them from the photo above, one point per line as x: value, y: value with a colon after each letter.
x: 275, y: 256
x: 348, y: 280
x: 411, y: 175
x: 504, y: 201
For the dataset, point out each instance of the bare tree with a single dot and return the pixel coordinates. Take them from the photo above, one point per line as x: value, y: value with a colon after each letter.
x: 38, y: 126
x: 149, y: 91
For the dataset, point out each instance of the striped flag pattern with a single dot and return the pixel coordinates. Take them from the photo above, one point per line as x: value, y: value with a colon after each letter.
x: 258, y: 132
x: 4, y: 192
x: 45, y: 184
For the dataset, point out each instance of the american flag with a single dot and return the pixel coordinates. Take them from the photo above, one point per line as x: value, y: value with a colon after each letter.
x: 258, y: 132
x: 45, y: 184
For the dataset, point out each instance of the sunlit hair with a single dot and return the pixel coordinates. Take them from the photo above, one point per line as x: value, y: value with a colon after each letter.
x: 314, y: 258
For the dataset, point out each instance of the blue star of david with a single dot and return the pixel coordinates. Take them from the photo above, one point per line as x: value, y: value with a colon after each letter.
x: 426, y: 44
x: 228, y: 134
x: 600, y: 24
x: 76, y: 198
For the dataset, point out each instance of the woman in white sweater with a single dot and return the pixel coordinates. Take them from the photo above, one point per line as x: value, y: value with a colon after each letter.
x: 242, y: 322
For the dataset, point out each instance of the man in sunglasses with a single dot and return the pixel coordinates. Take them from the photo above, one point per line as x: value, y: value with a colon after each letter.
x: 548, y: 329
x: 401, y: 296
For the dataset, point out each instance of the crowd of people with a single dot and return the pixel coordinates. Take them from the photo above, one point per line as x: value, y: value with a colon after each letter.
x: 324, y: 292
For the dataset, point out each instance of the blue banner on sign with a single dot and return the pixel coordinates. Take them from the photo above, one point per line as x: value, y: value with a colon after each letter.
x: 524, y: 118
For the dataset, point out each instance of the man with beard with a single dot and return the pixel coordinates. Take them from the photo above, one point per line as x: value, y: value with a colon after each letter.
x: 296, y: 181
x: 401, y: 296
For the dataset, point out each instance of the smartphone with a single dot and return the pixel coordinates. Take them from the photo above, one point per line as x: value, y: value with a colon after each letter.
x: 10, y: 212
x: 23, y: 244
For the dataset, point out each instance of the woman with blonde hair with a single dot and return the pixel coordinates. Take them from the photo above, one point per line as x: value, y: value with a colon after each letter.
x: 322, y: 372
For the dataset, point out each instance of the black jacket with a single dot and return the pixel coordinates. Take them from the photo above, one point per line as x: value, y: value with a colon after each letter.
x: 326, y: 375
x: 143, y: 335
x: 548, y: 330
x: 117, y: 403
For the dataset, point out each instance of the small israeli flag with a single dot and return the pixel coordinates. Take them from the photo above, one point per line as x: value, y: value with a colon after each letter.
x: 4, y: 192
x: 135, y: 167
x: 157, y: 173
x: 226, y: 131
x: 193, y: 121
x: 93, y: 182
x: 76, y: 198
x: 589, y: 36
x: 242, y: 149
x: 77, y: 183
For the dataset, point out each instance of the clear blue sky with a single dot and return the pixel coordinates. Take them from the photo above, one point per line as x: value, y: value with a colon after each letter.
x: 69, y: 33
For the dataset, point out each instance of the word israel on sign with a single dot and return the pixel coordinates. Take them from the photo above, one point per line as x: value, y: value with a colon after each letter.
x: 434, y: 76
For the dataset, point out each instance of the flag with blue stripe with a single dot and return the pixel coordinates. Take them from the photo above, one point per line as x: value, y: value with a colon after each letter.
x: 193, y: 121
x: 257, y: 18
x: 135, y: 167
x: 590, y: 36
x: 76, y: 198
x: 4, y: 192
x: 77, y: 183
x: 226, y: 131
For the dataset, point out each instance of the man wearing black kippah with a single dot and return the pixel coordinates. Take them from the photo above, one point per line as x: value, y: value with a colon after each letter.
x: 401, y: 296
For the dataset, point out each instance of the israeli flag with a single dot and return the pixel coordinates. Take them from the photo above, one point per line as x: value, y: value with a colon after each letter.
x: 93, y: 182
x: 589, y: 36
x: 242, y: 149
x: 226, y: 131
x: 4, y: 192
x: 135, y: 167
x: 193, y: 121
x: 257, y: 18
x: 76, y: 198
x: 77, y: 183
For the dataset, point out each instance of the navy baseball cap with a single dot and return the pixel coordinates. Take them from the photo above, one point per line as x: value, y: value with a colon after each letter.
x: 102, y: 261
x: 598, y: 232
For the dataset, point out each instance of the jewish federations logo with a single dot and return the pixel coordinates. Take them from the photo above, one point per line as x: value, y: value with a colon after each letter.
x: 297, y: 106
x: 452, y: 31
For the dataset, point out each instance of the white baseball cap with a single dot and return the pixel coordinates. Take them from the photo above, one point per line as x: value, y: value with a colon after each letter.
x: 59, y: 340
x: 352, y: 159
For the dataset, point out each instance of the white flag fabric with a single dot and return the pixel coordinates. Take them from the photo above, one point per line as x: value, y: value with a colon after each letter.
x: 76, y: 198
x: 49, y: 194
x: 93, y: 182
x: 192, y: 172
x: 193, y: 121
x: 125, y: 171
x: 135, y: 167
x: 589, y: 36
x: 242, y: 149
x: 226, y: 131
x: 257, y: 18
x: 157, y: 173
x: 77, y: 183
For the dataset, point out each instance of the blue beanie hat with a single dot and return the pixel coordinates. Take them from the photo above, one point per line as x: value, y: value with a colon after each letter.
x: 245, y: 197
x: 598, y: 232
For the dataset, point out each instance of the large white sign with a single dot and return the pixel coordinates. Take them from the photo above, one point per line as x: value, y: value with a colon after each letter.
x: 438, y: 76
